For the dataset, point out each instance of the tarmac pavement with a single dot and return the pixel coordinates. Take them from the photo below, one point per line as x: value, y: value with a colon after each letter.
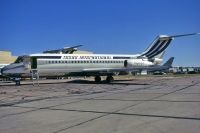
x: 144, y: 104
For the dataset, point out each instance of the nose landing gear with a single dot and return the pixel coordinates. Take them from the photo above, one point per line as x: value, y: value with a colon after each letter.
x: 17, y: 81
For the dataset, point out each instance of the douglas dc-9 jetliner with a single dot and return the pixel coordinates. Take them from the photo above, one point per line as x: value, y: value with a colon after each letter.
x: 64, y: 62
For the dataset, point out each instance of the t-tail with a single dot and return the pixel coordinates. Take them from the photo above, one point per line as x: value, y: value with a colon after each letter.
x: 159, y: 45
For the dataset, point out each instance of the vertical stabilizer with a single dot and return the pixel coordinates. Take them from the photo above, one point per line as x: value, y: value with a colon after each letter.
x: 169, y: 62
x: 160, y: 44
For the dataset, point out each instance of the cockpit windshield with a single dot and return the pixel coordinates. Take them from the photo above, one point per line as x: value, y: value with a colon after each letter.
x: 21, y: 59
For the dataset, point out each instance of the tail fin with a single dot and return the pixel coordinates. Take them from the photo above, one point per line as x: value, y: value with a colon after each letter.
x: 159, y: 56
x: 160, y: 44
x: 169, y: 62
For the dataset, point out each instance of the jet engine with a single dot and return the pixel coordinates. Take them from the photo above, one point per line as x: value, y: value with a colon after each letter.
x: 156, y: 60
x: 128, y: 63
x: 131, y: 63
x: 137, y: 63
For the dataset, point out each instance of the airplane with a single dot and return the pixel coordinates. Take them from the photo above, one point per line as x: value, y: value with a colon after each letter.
x: 64, y: 62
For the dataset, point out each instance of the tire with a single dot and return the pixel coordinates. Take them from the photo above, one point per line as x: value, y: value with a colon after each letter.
x: 97, y: 79
x: 109, y: 79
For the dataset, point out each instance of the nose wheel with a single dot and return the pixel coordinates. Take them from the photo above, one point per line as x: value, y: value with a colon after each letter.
x: 17, y: 81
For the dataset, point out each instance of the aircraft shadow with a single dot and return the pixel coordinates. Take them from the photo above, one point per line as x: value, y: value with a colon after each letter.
x: 116, y: 82
x: 79, y: 81
x: 29, y: 83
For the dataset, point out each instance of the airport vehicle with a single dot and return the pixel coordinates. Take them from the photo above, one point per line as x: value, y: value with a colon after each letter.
x: 64, y: 62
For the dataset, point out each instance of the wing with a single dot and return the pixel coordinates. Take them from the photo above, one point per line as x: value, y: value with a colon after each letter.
x: 67, y: 50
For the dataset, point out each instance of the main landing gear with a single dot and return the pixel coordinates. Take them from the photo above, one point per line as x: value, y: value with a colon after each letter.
x: 109, y: 79
x: 97, y: 79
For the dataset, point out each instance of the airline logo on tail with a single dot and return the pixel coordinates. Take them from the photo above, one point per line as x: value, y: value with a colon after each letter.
x: 157, y: 47
x: 160, y: 44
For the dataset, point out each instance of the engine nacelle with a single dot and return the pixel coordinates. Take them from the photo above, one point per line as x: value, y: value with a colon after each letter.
x: 129, y: 63
x: 157, y: 61
x: 137, y: 63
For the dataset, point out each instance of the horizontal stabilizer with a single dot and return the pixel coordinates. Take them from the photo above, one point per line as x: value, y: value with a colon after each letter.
x: 185, y: 35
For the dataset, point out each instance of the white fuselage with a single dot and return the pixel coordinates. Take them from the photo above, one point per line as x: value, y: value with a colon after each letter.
x: 56, y: 64
x: 66, y: 63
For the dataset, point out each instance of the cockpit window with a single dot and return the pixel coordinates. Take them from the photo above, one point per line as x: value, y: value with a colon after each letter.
x: 19, y: 60
x: 22, y: 59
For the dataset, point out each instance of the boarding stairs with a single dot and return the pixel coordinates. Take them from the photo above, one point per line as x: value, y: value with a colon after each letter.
x: 35, y: 76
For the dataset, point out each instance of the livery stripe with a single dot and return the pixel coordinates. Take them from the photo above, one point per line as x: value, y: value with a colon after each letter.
x: 7, y: 68
x: 161, y: 50
x: 47, y: 57
x: 120, y: 57
x: 158, y: 48
x: 152, y: 48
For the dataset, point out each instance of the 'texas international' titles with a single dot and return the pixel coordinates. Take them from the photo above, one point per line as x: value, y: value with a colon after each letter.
x: 87, y: 57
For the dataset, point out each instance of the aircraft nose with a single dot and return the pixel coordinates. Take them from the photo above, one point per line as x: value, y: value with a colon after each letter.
x: 1, y: 71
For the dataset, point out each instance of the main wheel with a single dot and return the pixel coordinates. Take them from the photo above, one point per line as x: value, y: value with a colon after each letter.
x: 109, y: 79
x: 97, y: 79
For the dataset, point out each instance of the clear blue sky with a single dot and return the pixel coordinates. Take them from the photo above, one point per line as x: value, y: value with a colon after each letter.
x: 102, y: 26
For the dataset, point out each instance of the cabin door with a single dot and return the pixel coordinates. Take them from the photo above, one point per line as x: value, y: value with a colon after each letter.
x: 33, y: 63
